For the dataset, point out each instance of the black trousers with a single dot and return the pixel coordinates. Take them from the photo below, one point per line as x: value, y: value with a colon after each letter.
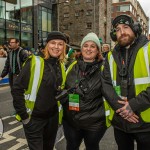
x: 75, y: 136
x: 125, y: 141
x: 41, y: 134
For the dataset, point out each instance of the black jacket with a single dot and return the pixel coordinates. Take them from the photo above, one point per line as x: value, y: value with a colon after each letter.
x: 18, y: 63
x: 45, y: 104
x: 85, y: 78
x: 137, y: 103
x: 8, y: 64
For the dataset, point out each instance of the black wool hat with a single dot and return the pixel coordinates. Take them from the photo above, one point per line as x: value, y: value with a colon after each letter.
x: 56, y: 35
x: 123, y: 19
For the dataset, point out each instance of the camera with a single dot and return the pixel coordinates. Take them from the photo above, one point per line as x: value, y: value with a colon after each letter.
x: 63, y: 94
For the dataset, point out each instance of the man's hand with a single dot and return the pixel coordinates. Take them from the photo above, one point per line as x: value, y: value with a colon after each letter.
x: 1, y: 78
x: 127, y: 113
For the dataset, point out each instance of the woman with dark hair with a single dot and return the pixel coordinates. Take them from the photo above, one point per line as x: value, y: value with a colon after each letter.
x: 84, y: 113
x: 34, y: 93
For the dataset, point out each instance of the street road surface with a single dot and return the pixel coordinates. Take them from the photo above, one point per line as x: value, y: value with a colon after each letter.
x: 14, y: 138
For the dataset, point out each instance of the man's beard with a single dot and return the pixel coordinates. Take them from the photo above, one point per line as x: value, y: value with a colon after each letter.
x: 126, y: 42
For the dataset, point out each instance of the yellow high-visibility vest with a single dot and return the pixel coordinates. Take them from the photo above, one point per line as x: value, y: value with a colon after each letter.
x: 36, y: 69
x: 141, y: 75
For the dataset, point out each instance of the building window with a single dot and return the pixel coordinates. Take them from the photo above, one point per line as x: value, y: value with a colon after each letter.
x: 66, y: 15
x: 123, y: 8
x: 89, y: 25
x: 122, y: 0
x: 44, y: 23
x: 26, y: 12
x: 2, y: 9
x: 76, y: 14
x: 89, y: 12
x: 65, y: 27
x: 88, y: 1
x: 77, y: 1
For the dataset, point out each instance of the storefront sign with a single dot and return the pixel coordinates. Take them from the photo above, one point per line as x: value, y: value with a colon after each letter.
x: 12, y: 26
x: 26, y: 28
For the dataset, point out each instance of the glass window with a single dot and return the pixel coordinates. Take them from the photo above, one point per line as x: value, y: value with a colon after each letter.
x: 12, y: 33
x: 88, y: 1
x: 66, y: 15
x: 76, y: 14
x: 89, y: 25
x: 44, y: 21
x: 2, y: 40
x: 40, y: 18
x: 123, y: 8
x: 49, y: 22
x: 13, y: 10
x: 2, y: 9
x: 2, y: 23
x: 10, y: 25
x: 77, y: 1
x: 26, y: 40
x: 89, y: 12
x: 44, y: 34
x: 26, y: 11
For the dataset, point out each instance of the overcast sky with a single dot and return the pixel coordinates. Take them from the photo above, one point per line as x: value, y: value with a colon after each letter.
x: 145, y: 5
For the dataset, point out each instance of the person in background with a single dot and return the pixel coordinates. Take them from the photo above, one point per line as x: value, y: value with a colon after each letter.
x: 6, y: 47
x: 13, y: 65
x: 105, y: 49
x: 34, y: 93
x: 127, y: 71
x: 3, y: 53
x: 84, y: 113
x: 73, y: 51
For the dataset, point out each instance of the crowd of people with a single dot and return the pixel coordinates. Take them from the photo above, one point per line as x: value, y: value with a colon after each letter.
x: 94, y: 86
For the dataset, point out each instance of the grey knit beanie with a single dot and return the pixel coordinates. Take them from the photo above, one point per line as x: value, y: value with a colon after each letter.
x: 91, y: 37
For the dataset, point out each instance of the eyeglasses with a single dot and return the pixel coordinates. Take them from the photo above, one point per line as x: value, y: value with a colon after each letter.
x: 12, y: 42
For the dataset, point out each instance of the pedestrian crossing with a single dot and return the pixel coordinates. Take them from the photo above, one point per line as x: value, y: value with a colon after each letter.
x: 14, y: 139
x: 10, y: 139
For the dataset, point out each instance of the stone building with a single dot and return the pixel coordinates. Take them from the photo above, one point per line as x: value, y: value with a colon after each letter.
x: 79, y: 17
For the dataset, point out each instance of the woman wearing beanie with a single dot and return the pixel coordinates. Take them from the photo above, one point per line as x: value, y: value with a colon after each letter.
x: 34, y: 93
x: 84, y: 114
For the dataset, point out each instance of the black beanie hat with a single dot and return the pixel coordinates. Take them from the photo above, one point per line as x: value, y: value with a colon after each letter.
x: 123, y: 19
x: 56, y: 35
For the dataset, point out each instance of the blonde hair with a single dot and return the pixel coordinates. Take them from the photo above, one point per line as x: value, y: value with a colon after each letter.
x: 62, y: 57
x: 3, y: 53
x: 104, y: 46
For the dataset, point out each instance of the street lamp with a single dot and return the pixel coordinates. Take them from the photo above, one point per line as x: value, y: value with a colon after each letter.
x: 57, y: 3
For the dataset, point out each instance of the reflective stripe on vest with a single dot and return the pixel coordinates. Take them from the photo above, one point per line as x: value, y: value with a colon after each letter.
x: 60, y: 108
x: 70, y: 67
x: 36, y: 74
x: 141, y: 74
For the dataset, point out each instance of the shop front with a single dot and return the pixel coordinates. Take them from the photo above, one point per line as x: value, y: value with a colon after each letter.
x: 27, y: 20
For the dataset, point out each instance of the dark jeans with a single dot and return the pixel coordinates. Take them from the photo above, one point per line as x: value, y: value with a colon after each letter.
x: 125, y: 141
x: 75, y: 136
x: 41, y: 134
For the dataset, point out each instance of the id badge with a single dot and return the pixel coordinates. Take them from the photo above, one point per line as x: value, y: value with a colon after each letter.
x: 74, y: 102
